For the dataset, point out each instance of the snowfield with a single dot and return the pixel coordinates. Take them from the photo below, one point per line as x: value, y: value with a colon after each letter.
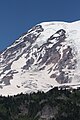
x: 48, y: 55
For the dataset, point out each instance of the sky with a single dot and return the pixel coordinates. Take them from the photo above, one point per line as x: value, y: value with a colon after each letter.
x: 18, y: 16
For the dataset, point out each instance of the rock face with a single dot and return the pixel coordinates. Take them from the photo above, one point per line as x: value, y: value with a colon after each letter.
x: 47, y: 113
x: 47, y: 55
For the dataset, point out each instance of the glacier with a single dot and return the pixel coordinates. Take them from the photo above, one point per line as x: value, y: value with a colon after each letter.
x: 46, y: 56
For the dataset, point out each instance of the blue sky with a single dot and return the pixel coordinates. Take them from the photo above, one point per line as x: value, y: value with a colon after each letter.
x: 17, y: 16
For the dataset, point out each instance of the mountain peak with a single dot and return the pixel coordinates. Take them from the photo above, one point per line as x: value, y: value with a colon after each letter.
x: 46, y: 56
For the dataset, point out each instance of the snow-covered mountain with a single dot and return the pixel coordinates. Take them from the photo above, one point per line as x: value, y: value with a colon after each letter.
x: 47, y: 55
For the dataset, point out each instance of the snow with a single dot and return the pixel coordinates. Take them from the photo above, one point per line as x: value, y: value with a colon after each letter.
x: 32, y: 80
x: 29, y: 82
x: 19, y: 63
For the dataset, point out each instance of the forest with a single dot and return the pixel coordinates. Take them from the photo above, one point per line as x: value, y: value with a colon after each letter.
x: 56, y: 104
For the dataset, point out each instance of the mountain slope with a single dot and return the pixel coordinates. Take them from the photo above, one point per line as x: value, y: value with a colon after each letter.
x: 53, y: 105
x: 47, y: 55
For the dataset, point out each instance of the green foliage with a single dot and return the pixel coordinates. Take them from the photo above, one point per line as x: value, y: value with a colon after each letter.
x: 64, y: 105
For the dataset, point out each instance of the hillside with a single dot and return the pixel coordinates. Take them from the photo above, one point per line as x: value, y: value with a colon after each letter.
x: 53, y: 105
x: 46, y: 56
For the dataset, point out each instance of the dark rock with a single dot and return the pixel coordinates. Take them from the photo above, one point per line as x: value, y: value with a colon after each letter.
x: 6, y: 80
x: 53, y: 76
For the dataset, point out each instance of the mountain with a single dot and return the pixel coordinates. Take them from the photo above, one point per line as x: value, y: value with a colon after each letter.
x: 46, y: 56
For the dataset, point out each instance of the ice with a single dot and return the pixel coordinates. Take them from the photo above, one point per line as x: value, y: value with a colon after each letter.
x: 33, y: 80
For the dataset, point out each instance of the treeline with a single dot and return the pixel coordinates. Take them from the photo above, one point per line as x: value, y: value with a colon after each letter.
x: 54, y: 105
